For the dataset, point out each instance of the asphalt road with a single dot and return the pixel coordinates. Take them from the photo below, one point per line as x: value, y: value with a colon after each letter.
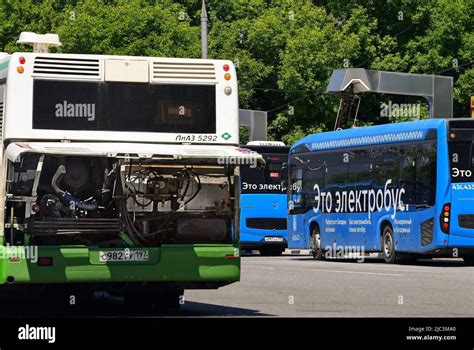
x: 294, y: 285
x: 299, y: 286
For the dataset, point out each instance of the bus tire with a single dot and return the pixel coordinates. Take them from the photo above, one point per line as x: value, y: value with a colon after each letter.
x: 271, y: 251
x: 468, y: 260
x: 388, y: 245
x: 315, y: 242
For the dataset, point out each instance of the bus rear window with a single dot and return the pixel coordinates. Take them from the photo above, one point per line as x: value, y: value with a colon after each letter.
x: 461, y: 154
x: 101, y: 106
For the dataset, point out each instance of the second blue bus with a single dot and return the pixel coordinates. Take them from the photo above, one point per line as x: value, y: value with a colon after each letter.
x: 405, y: 190
x: 263, y: 201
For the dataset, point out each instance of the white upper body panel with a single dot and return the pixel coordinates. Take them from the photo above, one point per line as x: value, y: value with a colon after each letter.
x: 147, y: 71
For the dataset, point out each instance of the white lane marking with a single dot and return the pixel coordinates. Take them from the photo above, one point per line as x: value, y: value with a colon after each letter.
x: 327, y: 270
x: 355, y: 272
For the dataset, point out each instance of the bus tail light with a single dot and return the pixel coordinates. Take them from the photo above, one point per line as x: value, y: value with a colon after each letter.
x: 22, y: 60
x: 227, y: 76
x: 445, y: 218
x: 275, y: 174
x: 226, y: 67
x: 20, y: 69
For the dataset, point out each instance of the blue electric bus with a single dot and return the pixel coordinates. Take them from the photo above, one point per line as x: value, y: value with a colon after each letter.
x: 263, y: 201
x: 403, y: 189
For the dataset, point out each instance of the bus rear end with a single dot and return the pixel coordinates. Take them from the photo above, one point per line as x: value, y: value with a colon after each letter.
x: 119, y: 173
x: 263, y: 201
x: 457, y: 217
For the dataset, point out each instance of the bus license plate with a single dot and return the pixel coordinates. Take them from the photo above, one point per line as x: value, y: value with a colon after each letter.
x: 124, y: 255
x: 273, y: 239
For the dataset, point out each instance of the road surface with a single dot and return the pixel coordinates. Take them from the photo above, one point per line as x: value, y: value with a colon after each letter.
x: 296, y: 285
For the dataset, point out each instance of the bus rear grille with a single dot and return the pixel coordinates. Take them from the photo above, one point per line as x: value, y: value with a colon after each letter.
x: 177, y: 71
x: 67, y: 226
x: 426, y: 229
x: 266, y: 223
x: 77, y: 67
x: 466, y: 221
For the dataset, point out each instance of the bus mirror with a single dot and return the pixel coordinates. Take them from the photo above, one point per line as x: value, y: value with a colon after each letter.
x: 284, y: 175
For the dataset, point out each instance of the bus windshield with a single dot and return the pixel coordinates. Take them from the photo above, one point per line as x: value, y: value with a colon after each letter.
x: 268, y: 179
x: 461, y: 150
x: 461, y: 155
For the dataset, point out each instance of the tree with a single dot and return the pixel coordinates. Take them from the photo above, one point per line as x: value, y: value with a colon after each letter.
x: 284, y: 50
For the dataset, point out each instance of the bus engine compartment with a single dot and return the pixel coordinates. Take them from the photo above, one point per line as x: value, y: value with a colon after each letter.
x: 117, y: 202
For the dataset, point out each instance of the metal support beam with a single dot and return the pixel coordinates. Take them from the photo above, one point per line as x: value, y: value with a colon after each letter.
x: 204, y: 21
x: 255, y: 122
x: 437, y: 90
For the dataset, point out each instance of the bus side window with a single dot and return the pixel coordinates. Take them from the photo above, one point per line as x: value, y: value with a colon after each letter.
x: 408, y: 174
x: 360, y: 175
x: 426, y: 174
x: 386, y: 167
x: 314, y: 173
x: 336, y: 178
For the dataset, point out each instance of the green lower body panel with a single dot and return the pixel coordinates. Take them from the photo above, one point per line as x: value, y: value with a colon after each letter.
x: 168, y: 263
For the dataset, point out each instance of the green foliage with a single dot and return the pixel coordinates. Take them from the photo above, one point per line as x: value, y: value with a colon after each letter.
x: 285, y: 50
x: 244, y: 135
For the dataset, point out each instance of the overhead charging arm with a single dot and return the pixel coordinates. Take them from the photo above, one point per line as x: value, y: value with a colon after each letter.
x: 351, y: 82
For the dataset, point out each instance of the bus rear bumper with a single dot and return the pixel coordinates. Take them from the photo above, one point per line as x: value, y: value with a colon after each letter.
x: 262, y: 245
x: 185, y: 264
x: 459, y: 241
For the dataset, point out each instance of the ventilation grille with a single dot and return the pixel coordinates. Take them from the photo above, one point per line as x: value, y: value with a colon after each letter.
x: 73, y: 226
x: 176, y: 71
x: 426, y: 229
x: 77, y: 67
x: 266, y: 223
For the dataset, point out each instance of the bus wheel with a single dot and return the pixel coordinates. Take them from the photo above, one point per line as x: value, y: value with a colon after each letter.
x: 315, y: 242
x: 388, y: 245
x: 468, y: 260
x: 271, y: 251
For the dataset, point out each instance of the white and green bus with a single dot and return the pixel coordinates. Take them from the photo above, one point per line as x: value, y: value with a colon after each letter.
x: 119, y: 173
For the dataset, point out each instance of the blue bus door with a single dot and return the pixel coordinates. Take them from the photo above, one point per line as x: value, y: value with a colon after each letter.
x: 296, y: 235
